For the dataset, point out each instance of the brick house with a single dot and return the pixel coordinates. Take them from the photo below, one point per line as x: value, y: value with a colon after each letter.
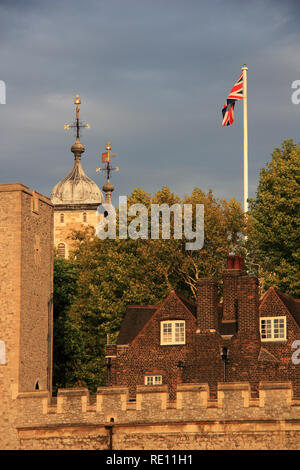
x: 242, y: 339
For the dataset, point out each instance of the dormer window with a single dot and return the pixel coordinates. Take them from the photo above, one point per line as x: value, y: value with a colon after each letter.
x: 172, y: 332
x: 273, y: 328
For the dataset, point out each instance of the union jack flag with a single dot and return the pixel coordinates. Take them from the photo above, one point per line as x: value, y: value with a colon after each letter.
x: 235, y: 95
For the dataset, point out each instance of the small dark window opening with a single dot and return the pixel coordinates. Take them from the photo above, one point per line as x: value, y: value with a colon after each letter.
x: 37, y: 385
x: 62, y: 218
x: 61, y: 250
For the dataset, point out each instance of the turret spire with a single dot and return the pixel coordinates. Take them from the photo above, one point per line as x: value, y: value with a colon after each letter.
x: 76, y: 187
x: 108, y: 187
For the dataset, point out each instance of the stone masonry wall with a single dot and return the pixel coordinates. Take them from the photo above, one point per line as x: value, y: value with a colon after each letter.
x: 194, y: 421
x: 73, y: 220
x: 10, y: 302
x: 26, y: 251
x: 37, y: 288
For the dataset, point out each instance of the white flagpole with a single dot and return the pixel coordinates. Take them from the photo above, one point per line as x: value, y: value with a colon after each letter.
x: 245, y: 121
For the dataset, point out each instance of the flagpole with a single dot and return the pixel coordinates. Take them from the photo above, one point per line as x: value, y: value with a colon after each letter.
x: 245, y: 122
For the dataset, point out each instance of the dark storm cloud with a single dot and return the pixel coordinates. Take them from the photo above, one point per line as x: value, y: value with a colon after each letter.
x: 153, y: 77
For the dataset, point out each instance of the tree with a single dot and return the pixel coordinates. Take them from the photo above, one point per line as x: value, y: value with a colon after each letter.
x: 66, y: 345
x: 111, y: 274
x: 274, y: 232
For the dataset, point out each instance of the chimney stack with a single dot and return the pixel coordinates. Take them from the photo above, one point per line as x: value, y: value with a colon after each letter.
x: 234, y: 269
x: 248, y: 306
x: 207, y: 304
x: 240, y: 297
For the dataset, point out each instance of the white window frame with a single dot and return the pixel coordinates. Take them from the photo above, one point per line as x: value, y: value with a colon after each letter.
x: 156, y: 379
x: 272, y: 338
x: 172, y: 340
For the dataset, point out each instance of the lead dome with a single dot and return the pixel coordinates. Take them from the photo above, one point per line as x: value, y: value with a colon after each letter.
x: 76, y: 187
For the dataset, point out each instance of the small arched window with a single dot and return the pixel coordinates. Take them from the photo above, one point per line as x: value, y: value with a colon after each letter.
x: 84, y: 217
x: 61, y: 250
x: 62, y: 218
x: 37, y: 385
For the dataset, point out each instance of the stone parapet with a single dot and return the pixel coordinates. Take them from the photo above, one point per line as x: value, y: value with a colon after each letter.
x: 153, y: 402
x: 78, y: 420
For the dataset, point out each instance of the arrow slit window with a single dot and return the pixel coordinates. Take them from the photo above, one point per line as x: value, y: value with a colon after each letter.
x: 2, y: 353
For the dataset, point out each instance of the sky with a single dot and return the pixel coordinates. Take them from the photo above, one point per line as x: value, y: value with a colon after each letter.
x: 153, y: 76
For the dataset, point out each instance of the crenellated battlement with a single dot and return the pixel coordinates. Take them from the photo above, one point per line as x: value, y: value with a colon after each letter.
x: 233, y: 420
x: 152, y: 402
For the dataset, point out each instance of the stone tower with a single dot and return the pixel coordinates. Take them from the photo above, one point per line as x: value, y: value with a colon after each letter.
x: 26, y: 286
x: 75, y: 198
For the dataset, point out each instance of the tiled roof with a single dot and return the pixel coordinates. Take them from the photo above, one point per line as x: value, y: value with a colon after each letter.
x: 190, y: 305
x: 136, y: 316
x: 293, y: 305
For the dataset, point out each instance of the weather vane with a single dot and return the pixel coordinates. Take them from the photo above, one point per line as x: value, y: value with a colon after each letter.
x: 77, y: 124
x: 108, y: 187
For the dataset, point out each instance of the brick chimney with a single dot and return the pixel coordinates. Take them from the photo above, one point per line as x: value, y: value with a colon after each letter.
x: 234, y: 269
x: 207, y: 304
x: 240, y: 297
x: 248, y: 306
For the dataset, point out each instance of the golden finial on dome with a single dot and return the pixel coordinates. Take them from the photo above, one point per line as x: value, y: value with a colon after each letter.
x: 77, y: 100
x: 77, y: 124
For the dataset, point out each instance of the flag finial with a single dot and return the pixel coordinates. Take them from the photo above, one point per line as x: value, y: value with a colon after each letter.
x: 77, y: 124
x: 108, y: 187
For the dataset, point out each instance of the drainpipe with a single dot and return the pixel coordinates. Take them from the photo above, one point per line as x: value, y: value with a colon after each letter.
x: 109, y: 427
x: 224, y: 356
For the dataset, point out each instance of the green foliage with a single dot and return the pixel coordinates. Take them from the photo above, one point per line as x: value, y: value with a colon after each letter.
x: 67, y: 342
x: 94, y: 288
x: 274, y: 232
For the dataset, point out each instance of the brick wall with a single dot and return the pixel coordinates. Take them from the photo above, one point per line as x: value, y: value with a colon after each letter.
x: 154, y: 358
x: 282, y: 368
x: 247, y: 358
x: 207, y: 304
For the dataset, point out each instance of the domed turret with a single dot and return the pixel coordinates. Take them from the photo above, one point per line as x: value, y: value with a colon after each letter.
x: 76, y: 187
x: 75, y: 198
